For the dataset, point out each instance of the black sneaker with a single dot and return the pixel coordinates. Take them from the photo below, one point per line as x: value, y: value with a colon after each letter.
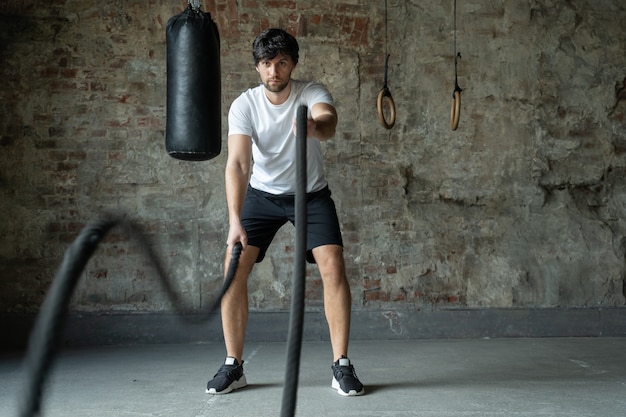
x: 229, y: 377
x: 345, y: 380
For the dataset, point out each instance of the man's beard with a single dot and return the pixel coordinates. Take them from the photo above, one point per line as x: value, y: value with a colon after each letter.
x: 276, y: 88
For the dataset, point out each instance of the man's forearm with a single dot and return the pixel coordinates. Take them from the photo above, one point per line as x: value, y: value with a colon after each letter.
x: 236, y: 184
x: 325, y: 126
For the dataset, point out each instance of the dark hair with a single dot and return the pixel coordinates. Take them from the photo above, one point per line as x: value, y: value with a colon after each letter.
x: 272, y: 42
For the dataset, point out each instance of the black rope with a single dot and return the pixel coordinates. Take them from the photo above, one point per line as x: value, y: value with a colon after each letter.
x: 457, y: 56
x: 46, y: 334
x: 48, y: 327
x: 296, y: 318
x: 384, y: 91
x: 386, y: 37
x: 385, y: 88
x: 455, y: 105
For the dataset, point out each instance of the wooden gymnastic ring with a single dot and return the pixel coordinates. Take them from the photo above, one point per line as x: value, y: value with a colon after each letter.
x: 455, y: 110
x: 384, y: 92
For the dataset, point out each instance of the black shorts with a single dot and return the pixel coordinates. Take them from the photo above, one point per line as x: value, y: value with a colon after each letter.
x: 264, y: 213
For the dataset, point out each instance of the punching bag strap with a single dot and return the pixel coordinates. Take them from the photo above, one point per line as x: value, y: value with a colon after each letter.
x: 195, y: 5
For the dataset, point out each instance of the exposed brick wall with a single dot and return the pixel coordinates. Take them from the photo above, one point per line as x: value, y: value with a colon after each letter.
x: 522, y: 206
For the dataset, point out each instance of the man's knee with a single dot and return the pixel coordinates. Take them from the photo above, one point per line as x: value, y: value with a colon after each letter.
x: 331, y: 265
x: 330, y: 256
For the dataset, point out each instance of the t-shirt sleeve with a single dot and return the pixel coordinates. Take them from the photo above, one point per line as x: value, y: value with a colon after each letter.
x: 315, y: 93
x: 240, y: 118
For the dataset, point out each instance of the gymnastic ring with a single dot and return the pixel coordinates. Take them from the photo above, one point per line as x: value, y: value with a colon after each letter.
x: 384, y: 92
x: 455, y: 110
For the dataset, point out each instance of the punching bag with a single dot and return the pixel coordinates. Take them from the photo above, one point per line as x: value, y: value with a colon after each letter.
x: 194, y: 116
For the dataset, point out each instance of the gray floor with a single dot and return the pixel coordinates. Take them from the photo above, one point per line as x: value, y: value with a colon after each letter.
x: 486, y: 377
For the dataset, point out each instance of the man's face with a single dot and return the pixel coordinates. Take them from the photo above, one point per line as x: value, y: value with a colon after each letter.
x: 276, y: 73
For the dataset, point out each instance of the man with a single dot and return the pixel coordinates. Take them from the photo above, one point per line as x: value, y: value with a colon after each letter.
x: 262, y: 129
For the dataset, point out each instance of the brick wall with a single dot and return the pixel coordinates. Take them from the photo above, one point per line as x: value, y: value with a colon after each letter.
x: 523, y: 206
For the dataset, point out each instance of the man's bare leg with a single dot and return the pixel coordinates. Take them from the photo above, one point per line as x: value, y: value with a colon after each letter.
x: 337, y: 306
x: 337, y: 297
x: 235, y: 304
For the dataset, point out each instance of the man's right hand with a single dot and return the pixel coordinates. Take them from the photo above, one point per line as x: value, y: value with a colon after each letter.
x: 237, y: 233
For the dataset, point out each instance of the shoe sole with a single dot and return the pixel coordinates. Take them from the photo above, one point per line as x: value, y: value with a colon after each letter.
x: 240, y: 383
x: 352, y: 393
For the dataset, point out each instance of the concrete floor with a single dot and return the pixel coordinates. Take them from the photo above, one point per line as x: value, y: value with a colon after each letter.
x: 480, y: 377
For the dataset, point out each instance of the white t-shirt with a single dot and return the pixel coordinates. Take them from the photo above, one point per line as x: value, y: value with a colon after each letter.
x: 273, y: 142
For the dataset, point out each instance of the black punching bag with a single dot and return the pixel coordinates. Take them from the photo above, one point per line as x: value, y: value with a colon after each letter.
x: 194, y: 116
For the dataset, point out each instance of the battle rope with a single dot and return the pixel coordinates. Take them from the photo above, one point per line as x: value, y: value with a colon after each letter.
x: 296, y: 318
x: 48, y: 327
x: 455, y: 107
x: 385, y: 92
